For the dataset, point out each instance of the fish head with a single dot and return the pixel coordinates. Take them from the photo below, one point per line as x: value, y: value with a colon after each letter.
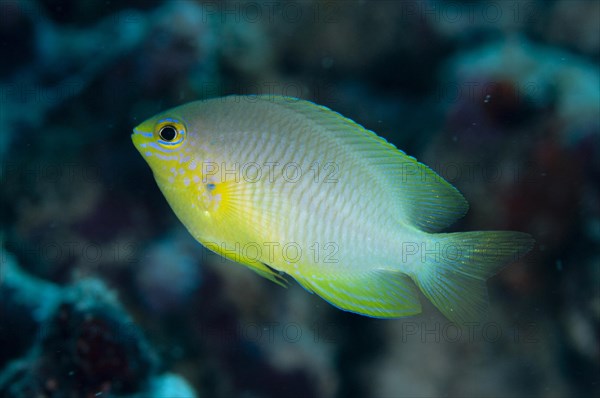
x: 163, y: 141
x: 181, y: 146
x: 174, y: 144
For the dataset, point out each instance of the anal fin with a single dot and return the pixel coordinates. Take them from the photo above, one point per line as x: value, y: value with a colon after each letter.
x: 378, y: 294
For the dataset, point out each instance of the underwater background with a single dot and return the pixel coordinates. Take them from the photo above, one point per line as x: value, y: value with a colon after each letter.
x: 104, y: 293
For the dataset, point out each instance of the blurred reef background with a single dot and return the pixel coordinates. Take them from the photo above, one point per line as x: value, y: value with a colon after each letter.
x: 103, y: 292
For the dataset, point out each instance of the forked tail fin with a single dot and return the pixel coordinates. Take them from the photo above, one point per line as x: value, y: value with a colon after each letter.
x: 454, y: 277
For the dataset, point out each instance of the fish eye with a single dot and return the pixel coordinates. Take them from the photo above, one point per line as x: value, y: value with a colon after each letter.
x: 170, y: 133
x: 167, y: 133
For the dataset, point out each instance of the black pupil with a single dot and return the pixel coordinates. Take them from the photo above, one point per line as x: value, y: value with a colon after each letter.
x: 168, y: 133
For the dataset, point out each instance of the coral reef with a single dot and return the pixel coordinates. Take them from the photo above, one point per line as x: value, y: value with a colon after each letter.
x: 82, y: 343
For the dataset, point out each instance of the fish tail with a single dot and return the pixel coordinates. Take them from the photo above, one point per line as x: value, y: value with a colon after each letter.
x: 454, y: 268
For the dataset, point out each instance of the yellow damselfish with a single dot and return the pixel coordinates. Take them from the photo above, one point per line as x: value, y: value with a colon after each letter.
x: 283, y: 185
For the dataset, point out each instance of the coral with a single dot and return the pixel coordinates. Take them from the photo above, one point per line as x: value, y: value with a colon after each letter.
x: 85, y: 343
x: 537, y: 75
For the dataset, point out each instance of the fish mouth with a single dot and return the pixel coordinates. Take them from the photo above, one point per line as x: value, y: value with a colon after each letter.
x: 139, y: 136
x: 137, y: 131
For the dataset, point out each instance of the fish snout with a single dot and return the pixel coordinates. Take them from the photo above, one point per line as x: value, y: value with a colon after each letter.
x: 139, y: 136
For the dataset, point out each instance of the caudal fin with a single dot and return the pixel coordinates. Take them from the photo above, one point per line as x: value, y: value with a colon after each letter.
x: 454, y: 275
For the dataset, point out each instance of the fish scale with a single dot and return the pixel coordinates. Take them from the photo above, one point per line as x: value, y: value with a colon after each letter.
x: 337, y: 206
x: 383, y: 214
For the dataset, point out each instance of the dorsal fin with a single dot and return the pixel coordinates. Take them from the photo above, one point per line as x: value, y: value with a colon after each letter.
x: 424, y: 199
